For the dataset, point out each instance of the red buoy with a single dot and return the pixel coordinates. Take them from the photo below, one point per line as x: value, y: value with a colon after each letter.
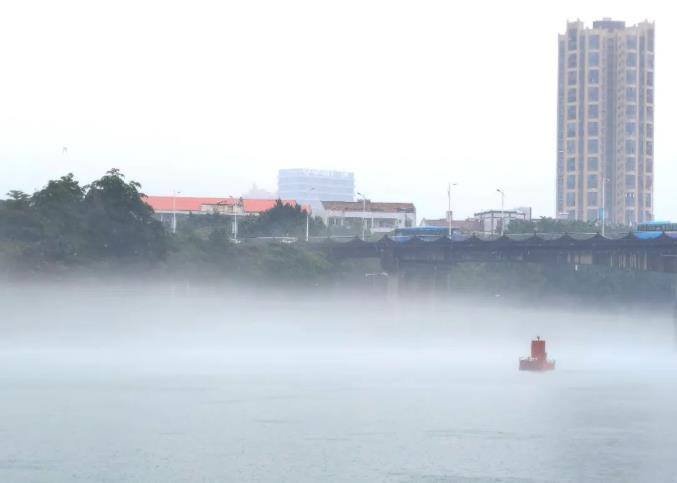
x: 538, y: 361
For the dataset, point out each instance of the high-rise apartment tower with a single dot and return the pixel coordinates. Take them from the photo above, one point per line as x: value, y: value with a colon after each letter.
x: 605, y: 128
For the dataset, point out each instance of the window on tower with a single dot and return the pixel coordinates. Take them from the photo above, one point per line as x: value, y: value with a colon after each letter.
x: 571, y: 181
x: 571, y: 62
x: 571, y: 112
x: 571, y: 164
x: 593, y: 42
x: 571, y: 198
x: 571, y: 94
x: 572, y: 77
x: 571, y: 129
x: 631, y: 59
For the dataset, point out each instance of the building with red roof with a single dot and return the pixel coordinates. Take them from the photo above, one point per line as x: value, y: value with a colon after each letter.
x: 205, y: 205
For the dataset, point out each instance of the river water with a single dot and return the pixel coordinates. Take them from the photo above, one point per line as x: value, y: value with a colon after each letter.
x: 107, y: 387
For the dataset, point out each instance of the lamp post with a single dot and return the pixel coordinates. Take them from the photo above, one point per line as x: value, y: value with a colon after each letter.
x: 502, y: 210
x: 449, y: 206
x: 308, y: 220
x: 174, y: 210
x: 235, y: 205
x: 364, y: 211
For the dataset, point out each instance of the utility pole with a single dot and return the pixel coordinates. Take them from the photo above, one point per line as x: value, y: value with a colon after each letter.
x: 174, y: 210
x: 308, y: 209
x: 364, y: 212
x: 502, y: 210
x: 449, y: 206
x: 235, y: 205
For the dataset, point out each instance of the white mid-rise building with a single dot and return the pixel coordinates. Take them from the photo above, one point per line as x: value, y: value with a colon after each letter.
x: 376, y: 217
x: 312, y: 186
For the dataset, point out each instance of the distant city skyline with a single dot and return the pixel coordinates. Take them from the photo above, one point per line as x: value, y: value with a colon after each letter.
x: 208, y: 99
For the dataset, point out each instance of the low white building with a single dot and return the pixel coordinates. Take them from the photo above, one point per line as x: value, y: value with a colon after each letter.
x: 494, y: 221
x: 377, y: 216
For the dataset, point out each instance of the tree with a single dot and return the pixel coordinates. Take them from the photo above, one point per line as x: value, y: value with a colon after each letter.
x: 60, y: 209
x: 17, y: 220
x: 551, y: 225
x: 119, y: 222
x: 282, y: 220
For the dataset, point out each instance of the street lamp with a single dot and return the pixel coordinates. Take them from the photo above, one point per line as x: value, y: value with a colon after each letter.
x: 174, y: 210
x: 502, y: 210
x: 449, y: 206
x: 364, y: 212
x: 235, y: 205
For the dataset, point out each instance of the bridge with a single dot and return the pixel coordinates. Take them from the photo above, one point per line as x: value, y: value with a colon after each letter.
x: 644, y: 251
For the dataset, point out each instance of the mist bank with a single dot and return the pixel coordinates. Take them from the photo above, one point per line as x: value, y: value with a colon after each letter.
x: 223, y: 324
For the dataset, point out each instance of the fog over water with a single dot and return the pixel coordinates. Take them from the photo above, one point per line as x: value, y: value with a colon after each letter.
x: 156, y: 381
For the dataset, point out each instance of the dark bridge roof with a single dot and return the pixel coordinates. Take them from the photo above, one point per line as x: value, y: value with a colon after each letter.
x: 544, y: 240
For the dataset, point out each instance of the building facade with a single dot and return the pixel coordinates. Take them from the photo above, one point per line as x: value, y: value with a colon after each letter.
x: 467, y: 226
x: 376, y: 217
x: 494, y: 222
x: 605, y: 122
x: 311, y: 186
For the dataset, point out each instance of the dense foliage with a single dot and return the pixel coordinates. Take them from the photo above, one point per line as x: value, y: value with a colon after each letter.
x: 66, y: 222
x: 108, y: 224
x: 552, y: 225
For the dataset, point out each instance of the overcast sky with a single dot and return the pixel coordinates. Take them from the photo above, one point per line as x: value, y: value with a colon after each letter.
x: 210, y: 97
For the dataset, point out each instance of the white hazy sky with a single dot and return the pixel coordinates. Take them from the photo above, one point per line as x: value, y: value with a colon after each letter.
x: 210, y: 97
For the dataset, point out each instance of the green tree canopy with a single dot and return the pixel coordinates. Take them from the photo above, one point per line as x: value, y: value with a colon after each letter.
x: 551, y: 225
x: 283, y: 219
x: 119, y: 222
